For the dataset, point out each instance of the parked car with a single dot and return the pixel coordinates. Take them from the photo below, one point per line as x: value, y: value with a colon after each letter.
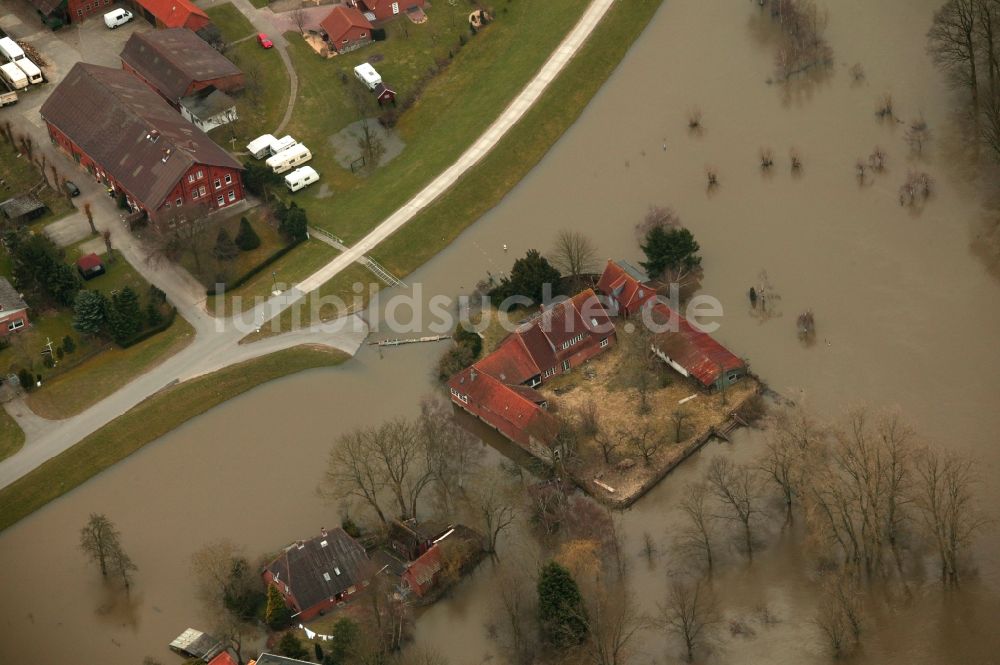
x: 72, y: 188
x: 264, y: 40
x: 117, y: 17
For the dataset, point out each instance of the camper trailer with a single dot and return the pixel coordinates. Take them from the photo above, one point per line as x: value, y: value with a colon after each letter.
x: 286, y: 159
x: 14, y: 77
x: 30, y: 70
x: 301, y: 177
x: 260, y: 146
x: 367, y: 75
x: 9, y: 49
x: 284, y: 143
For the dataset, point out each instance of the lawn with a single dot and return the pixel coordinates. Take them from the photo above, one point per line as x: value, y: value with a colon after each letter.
x: 517, y: 153
x: 231, y: 23
x: 19, y: 176
x: 55, y: 324
x: 452, y: 111
x: 261, y: 106
x: 212, y: 269
x: 290, y: 268
x: 11, y: 435
x: 145, y: 423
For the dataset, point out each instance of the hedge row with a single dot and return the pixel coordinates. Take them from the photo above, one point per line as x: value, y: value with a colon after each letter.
x: 168, y: 320
x: 245, y: 277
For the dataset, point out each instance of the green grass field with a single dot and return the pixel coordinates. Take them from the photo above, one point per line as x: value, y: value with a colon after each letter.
x: 147, y: 422
x: 231, y: 23
x: 11, y: 435
x: 261, y: 106
x: 19, y: 176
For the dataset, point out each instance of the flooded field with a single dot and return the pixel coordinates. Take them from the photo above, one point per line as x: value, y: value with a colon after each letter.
x: 906, y: 315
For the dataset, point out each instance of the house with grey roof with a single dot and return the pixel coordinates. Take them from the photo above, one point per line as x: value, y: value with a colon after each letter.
x: 316, y: 575
x: 177, y: 64
x: 128, y: 137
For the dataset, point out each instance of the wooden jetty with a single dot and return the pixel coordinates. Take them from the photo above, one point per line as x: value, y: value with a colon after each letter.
x: 409, y: 340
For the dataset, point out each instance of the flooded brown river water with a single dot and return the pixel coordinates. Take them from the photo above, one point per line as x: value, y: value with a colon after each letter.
x: 906, y: 315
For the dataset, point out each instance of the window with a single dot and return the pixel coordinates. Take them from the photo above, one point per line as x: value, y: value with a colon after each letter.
x: 190, y: 177
x: 194, y: 193
x: 220, y: 201
x: 232, y: 196
x: 14, y: 325
x: 200, y: 174
x: 229, y: 178
x: 565, y: 365
x: 201, y: 191
x: 79, y: 12
x: 218, y: 184
x: 604, y: 342
x: 464, y: 399
x: 395, y: 8
x: 362, y: 35
x: 179, y: 201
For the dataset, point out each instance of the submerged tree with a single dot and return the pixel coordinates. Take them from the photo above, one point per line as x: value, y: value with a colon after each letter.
x: 574, y: 254
x: 738, y: 489
x: 99, y: 540
x: 561, y: 612
x: 689, y: 613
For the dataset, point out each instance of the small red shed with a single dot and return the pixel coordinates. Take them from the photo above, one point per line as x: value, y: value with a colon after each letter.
x: 90, y: 266
x: 385, y: 95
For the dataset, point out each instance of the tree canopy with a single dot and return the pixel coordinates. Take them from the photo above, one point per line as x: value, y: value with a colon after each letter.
x: 528, y: 278
x: 560, y: 607
x: 670, y: 250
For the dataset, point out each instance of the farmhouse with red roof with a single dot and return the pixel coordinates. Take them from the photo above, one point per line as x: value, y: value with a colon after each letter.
x: 500, y: 388
x: 689, y: 351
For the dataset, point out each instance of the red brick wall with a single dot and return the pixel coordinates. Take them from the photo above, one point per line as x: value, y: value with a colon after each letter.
x: 77, y: 10
x: 7, y: 320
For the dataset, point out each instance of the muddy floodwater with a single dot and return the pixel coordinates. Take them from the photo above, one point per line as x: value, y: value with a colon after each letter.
x: 906, y: 315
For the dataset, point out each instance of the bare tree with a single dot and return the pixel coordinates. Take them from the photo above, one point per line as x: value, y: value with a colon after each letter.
x: 492, y: 499
x: 612, y: 622
x: 695, y: 539
x: 574, y: 254
x: 123, y: 566
x: 453, y: 455
x: 396, y: 447
x: 953, y: 46
x: 516, y: 601
x: 610, y: 440
x: 840, y: 616
x: 88, y: 211
x: 637, y: 365
x: 657, y: 216
x: 299, y: 17
x: 107, y: 244
x: 791, y: 446
x: 352, y: 473
x: 179, y: 232
x: 945, y: 502
x: 677, y: 417
x: 646, y: 438
x: 737, y: 488
x: 689, y: 613
x: 917, y: 135
x: 99, y: 540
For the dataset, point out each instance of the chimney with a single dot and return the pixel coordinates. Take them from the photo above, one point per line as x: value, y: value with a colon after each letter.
x: 166, y: 155
x: 322, y: 531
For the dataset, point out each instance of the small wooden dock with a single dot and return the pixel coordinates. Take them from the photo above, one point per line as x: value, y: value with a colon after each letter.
x: 409, y: 340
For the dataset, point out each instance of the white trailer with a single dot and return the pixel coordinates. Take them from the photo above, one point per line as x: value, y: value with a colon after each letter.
x: 10, y: 50
x: 301, y: 177
x: 13, y: 76
x: 260, y: 146
x: 367, y: 75
x: 282, y: 144
x: 286, y: 159
x: 30, y: 70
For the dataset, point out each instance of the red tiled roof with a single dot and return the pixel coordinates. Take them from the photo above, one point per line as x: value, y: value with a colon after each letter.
x: 500, y: 402
x: 224, y: 658
x: 624, y: 289
x: 339, y: 21
x: 697, y: 352
x: 88, y: 262
x: 422, y: 571
x: 173, y: 13
x: 511, y: 362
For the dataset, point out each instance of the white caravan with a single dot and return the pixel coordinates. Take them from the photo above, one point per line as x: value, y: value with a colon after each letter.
x: 30, y: 70
x: 286, y: 159
x: 301, y: 177
x: 13, y: 76
x: 260, y: 146
x: 282, y: 144
x: 367, y: 75
x: 10, y: 50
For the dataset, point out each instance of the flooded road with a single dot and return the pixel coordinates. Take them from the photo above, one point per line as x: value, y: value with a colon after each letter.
x: 906, y: 315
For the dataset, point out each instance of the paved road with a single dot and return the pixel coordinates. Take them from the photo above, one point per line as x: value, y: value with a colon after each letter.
x: 217, y: 340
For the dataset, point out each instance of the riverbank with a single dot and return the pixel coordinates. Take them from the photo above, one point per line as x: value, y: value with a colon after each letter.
x: 487, y: 183
x: 147, y: 422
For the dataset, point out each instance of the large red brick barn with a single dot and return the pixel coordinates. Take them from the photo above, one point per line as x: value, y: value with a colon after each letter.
x: 127, y: 136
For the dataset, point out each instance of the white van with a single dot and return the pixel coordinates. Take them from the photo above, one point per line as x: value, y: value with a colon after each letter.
x: 30, y: 70
x: 117, y: 17
x: 14, y: 77
x: 260, y: 146
x: 286, y: 159
x: 300, y: 178
x: 10, y: 50
x: 282, y: 144
x: 367, y: 75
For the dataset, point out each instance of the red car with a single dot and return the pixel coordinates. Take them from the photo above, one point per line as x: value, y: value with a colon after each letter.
x: 264, y: 40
